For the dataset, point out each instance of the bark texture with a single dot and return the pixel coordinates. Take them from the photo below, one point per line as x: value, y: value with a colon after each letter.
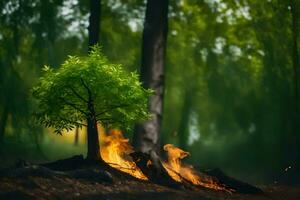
x: 93, y: 140
x: 146, y: 136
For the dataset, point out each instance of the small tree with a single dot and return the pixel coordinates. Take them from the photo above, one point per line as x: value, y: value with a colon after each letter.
x: 86, y: 91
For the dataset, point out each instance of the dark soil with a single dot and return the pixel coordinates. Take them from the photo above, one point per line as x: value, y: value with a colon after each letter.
x: 99, y: 181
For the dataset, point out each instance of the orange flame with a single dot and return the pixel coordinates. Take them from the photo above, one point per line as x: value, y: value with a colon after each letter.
x: 180, y: 172
x: 115, y: 150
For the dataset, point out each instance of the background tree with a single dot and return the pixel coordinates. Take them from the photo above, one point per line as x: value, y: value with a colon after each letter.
x: 94, y: 22
x: 147, y: 134
x: 25, y: 31
x: 230, y: 54
x: 89, y: 90
x: 295, y: 12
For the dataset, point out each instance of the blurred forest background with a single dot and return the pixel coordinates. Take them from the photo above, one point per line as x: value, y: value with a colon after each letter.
x: 232, y: 77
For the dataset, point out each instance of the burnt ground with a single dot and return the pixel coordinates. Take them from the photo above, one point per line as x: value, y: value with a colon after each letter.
x: 97, y: 182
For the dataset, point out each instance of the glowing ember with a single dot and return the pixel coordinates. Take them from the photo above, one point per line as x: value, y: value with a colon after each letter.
x: 115, y: 150
x: 180, y: 172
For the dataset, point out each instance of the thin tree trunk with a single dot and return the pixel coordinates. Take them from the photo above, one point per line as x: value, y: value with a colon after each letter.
x: 92, y: 130
x: 93, y: 140
x: 76, y: 136
x: 146, y: 136
x: 94, y: 22
x: 3, y: 121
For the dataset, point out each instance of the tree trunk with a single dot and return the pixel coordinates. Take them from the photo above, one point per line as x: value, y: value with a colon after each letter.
x: 92, y: 130
x: 76, y: 136
x: 296, y: 62
x: 94, y: 22
x: 3, y: 121
x: 146, y: 136
x: 294, y: 4
x: 93, y: 140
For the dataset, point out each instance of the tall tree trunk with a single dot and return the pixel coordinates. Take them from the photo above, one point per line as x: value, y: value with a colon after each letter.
x: 3, y: 121
x: 146, y: 136
x: 295, y: 12
x: 94, y: 22
x: 296, y: 62
x: 92, y: 130
x: 93, y: 140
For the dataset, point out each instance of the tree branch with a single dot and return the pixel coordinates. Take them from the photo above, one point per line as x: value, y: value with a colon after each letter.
x: 87, y: 88
x: 77, y: 94
x: 73, y: 106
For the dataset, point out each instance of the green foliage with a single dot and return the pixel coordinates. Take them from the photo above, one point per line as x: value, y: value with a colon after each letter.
x: 64, y: 95
x: 228, y: 70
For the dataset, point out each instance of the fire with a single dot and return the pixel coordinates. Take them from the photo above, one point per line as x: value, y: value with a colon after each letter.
x: 115, y: 150
x: 180, y: 172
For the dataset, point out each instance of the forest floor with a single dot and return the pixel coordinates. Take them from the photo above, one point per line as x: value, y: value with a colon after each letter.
x: 32, y: 182
x: 66, y: 188
x: 70, y: 179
